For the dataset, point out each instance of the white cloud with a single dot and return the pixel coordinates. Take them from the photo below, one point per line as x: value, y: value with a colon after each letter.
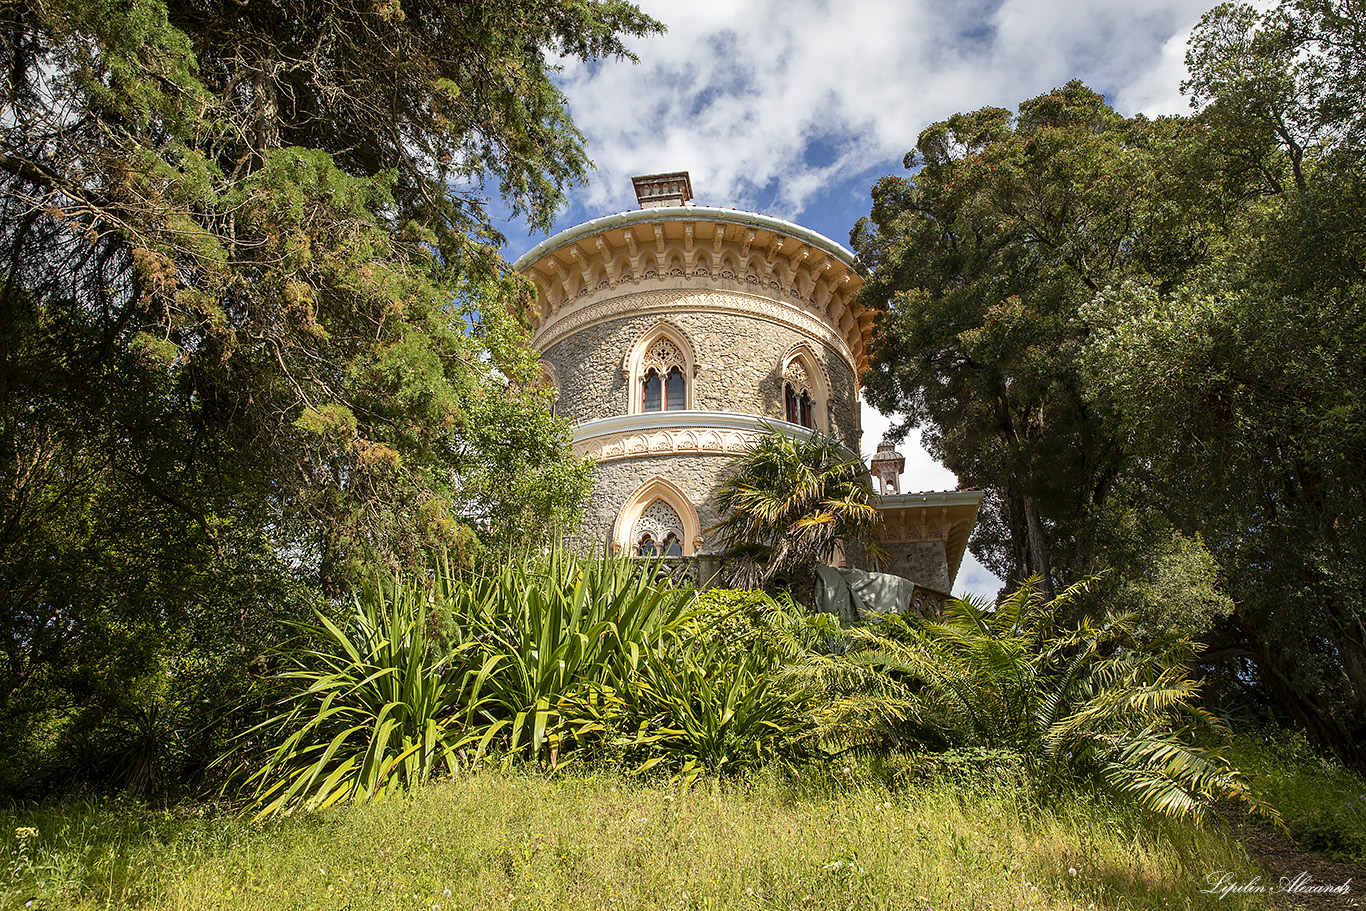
x: 1157, y: 90
x: 771, y: 103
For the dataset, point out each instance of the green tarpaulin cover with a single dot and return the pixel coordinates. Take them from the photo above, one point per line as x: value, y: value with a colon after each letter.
x: 852, y: 594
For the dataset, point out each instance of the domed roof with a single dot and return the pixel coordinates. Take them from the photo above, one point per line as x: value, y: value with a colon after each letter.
x: 886, y: 452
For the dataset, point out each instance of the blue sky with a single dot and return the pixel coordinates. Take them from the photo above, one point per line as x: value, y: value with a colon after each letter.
x: 795, y: 108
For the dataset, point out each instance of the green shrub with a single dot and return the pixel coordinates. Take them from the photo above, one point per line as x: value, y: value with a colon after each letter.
x: 1071, y: 701
x: 712, y: 697
x: 541, y: 635
x: 1323, y: 802
x: 434, y: 674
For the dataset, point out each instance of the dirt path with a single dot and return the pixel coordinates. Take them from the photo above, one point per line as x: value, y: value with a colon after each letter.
x: 1297, y: 872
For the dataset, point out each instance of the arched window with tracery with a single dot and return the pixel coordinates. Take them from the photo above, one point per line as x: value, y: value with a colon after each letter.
x: 800, y: 404
x: 663, y: 378
x: 658, y: 531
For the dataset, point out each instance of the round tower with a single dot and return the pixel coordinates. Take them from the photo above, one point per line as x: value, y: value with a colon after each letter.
x: 675, y: 335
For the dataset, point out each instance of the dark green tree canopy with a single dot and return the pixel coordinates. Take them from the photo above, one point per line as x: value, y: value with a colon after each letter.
x: 1144, y: 339
x: 254, y: 329
x: 1241, y: 392
x: 978, y: 264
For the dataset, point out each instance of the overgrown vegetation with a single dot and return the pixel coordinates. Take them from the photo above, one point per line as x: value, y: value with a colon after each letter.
x: 255, y: 337
x: 1071, y: 703
x: 565, y: 659
x: 827, y: 838
x: 254, y: 346
x: 1143, y: 339
x: 1323, y: 802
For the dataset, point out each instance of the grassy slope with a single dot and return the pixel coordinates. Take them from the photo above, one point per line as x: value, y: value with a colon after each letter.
x: 1324, y: 804
x: 599, y: 841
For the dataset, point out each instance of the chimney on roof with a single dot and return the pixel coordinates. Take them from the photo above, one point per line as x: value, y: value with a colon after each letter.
x: 655, y: 190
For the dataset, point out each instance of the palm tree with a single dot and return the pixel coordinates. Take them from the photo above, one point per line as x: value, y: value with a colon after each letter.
x: 789, y: 503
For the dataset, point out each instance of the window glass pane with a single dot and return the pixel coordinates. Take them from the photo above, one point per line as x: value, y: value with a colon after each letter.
x: 672, y: 547
x: 676, y: 399
x: 806, y: 416
x: 650, y: 398
x: 646, y: 548
x: 791, y: 404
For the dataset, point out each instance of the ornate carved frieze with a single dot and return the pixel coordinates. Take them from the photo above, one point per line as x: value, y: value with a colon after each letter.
x: 758, y: 255
x: 687, y: 441
x: 640, y: 303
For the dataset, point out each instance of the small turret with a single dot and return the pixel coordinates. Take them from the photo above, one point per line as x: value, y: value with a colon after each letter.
x: 887, y: 467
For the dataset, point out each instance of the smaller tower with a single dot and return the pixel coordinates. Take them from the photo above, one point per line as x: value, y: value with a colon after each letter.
x: 888, y: 465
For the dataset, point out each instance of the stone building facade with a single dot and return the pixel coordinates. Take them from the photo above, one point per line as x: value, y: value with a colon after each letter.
x: 675, y: 336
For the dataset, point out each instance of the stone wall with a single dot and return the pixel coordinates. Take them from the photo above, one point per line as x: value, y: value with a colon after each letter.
x: 737, y: 368
x: 923, y: 563
x: 613, y: 483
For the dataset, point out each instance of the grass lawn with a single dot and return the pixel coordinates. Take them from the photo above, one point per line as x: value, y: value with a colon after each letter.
x: 818, y: 840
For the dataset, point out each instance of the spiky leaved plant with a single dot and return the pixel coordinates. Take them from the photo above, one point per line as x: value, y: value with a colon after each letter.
x: 369, y: 708
x: 542, y: 632
x: 789, y: 502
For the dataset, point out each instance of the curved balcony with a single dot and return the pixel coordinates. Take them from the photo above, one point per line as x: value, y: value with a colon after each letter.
x: 727, y: 433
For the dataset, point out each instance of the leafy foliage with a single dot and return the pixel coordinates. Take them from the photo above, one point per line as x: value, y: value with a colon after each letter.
x: 254, y: 332
x: 541, y: 635
x: 437, y: 674
x: 978, y: 264
x: 716, y: 699
x: 1236, y: 389
x: 370, y: 710
x: 1141, y: 338
x: 1081, y: 700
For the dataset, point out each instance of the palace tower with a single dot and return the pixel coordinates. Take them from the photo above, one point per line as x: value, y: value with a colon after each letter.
x: 675, y: 335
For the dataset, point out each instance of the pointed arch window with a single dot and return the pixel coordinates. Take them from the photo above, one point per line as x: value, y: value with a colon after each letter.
x: 661, y: 509
x: 663, y: 378
x: 799, y: 397
x: 650, y: 398
x: 672, y: 546
x: 646, y: 547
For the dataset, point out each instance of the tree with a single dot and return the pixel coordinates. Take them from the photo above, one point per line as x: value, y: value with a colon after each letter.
x: 1241, y: 391
x: 789, y: 503
x: 978, y: 265
x: 254, y: 325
